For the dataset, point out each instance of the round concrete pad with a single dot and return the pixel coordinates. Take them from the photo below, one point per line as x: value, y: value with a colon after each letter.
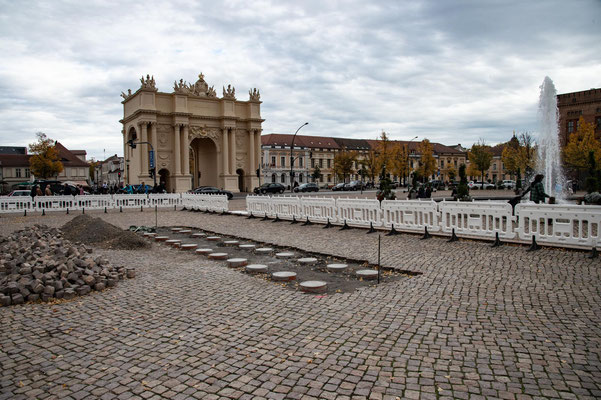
x: 314, y: 286
x: 256, y: 268
x: 188, y: 246
x: 284, y: 254
x: 161, y: 238
x: 213, y: 238
x: 218, y: 256
x: 237, y: 262
x: 367, y: 274
x: 247, y: 246
x: 283, y: 276
x: 307, y: 260
x: 204, y: 251
x: 264, y: 250
x: 337, y: 267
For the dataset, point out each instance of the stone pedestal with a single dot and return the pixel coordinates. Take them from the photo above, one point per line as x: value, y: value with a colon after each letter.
x: 183, y: 183
x: 230, y: 182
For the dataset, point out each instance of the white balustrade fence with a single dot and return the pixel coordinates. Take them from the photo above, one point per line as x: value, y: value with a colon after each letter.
x: 15, y: 204
x: 286, y: 207
x: 319, y: 209
x: 95, y: 202
x: 559, y: 225
x: 479, y: 219
x: 55, y: 203
x: 359, y: 212
x: 165, y: 199
x: 130, y: 200
x: 205, y: 202
x: 411, y: 215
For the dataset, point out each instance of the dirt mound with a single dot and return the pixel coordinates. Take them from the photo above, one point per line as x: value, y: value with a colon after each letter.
x: 95, y: 231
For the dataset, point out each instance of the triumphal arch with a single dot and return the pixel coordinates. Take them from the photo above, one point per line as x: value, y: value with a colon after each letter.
x: 198, y: 138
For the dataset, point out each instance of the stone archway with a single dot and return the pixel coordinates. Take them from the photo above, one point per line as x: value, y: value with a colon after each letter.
x: 164, y: 179
x: 203, y: 163
x: 240, y: 174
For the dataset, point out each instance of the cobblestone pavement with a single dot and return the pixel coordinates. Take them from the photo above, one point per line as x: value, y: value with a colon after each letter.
x: 479, y: 322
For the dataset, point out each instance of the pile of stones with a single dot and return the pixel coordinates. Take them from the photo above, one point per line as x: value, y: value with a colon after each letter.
x: 38, y: 263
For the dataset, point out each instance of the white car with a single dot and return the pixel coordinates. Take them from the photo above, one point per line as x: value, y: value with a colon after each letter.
x: 477, y: 185
x: 508, y: 184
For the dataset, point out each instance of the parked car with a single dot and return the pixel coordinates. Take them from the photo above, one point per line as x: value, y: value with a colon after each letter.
x: 477, y: 185
x: 339, y: 187
x: 270, y: 188
x: 213, y: 190
x: 356, y: 185
x: 307, y: 187
x: 508, y: 184
x: 19, y: 193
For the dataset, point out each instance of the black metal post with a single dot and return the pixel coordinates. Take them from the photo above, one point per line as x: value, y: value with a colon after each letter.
x: 291, y: 158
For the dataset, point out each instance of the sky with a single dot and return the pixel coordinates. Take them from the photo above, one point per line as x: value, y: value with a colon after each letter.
x: 449, y: 71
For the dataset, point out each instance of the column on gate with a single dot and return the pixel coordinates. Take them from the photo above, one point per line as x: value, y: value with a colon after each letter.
x: 153, y: 140
x: 258, y: 148
x: 251, y: 152
x: 232, y: 151
x: 225, y: 152
x: 177, y: 149
x: 143, y: 149
x: 186, y: 151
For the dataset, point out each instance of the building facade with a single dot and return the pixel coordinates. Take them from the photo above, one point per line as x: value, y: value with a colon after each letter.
x: 572, y: 106
x: 198, y: 138
x: 110, y: 172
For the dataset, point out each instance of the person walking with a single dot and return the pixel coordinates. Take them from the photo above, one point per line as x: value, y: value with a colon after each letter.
x: 47, y: 191
x: 537, y: 190
x: 34, y: 191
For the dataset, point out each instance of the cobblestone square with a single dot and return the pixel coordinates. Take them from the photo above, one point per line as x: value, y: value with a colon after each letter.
x: 478, y: 322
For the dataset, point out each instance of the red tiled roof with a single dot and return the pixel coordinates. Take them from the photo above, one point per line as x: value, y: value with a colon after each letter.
x: 14, y: 160
x: 68, y: 158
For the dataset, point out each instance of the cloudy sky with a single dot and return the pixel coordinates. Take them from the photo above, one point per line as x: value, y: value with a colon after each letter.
x: 450, y: 71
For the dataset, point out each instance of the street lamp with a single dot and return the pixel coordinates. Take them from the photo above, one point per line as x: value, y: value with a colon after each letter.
x: 291, y: 159
x: 408, y: 161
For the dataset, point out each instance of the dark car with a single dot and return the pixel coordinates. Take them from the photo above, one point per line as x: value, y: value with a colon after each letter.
x: 212, y: 190
x: 356, y: 185
x: 340, y: 186
x: 307, y: 187
x: 270, y: 188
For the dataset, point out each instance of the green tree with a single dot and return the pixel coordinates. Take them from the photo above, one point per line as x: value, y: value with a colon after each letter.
x: 45, y: 161
x: 316, y: 175
x: 384, y: 151
x: 519, y: 154
x: 463, y: 191
x: 400, y: 160
x: 480, y: 158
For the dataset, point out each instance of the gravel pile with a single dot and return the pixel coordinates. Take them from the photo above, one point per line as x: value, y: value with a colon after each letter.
x: 95, y: 231
x: 38, y: 263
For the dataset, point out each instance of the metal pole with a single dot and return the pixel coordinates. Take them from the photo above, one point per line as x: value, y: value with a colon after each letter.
x: 291, y: 159
x: 379, y: 240
x: 408, y: 162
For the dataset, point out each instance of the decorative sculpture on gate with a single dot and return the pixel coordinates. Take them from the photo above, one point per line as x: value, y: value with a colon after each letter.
x: 126, y: 95
x: 200, y: 88
x: 148, y: 83
x: 229, y: 93
x: 254, y: 94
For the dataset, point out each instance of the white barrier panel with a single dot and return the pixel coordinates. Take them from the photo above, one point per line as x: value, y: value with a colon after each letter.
x: 164, y: 199
x: 319, y: 209
x: 412, y: 215
x: 478, y: 218
x: 130, y: 200
x: 14, y: 204
x: 286, y: 207
x: 359, y: 212
x: 259, y: 205
x: 215, y: 202
x: 94, y: 201
x: 559, y: 224
x: 190, y: 201
x: 55, y: 203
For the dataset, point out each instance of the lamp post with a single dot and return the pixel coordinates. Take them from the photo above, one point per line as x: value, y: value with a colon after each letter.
x: 408, y: 161
x: 291, y: 159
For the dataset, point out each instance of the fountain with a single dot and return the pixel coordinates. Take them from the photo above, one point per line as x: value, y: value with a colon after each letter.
x: 549, y: 159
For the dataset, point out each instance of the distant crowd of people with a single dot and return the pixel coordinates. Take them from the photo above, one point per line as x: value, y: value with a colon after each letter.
x: 70, y: 190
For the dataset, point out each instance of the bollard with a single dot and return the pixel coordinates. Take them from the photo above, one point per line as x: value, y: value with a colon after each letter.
x: 534, y: 246
x: 120, y: 209
x: 175, y: 207
x: 371, y: 228
x: 43, y: 211
x: 141, y: 208
x: 426, y: 234
x: 497, y: 241
x: 453, y: 238
x: 25, y: 213
x: 67, y: 211
x: 393, y: 231
x: 83, y: 210
x: 105, y: 210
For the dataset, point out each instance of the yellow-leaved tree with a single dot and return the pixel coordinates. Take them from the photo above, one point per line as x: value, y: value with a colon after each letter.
x: 580, y: 144
x: 343, y: 164
x: 427, y: 162
x: 45, y: 161
x: 480, y: 158
x: 384, y: 151
x: 519, y: 154
x: 400, y: 160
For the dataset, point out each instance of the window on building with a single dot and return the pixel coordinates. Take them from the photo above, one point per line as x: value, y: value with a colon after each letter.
x: 598, y: 123
x: 283, y: 178
x: 494, y: 166
x: 570, y: 126
x: 300, y: 162
x: 282, y: 161
x: 329, y: 163
x: 27, y: 173
x: 329, y: 178
x: 292, y: 161
x: 321, y: 163
x: 441, y: 163
x: 273, y: 161
x: 273, y: 178
x: 300, y: 178
x: 17, y: 172
x: 312, y: 163
x: 455, y: 162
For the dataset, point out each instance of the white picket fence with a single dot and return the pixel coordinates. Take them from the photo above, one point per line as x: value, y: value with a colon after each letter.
x: 204, y: 202
x: 557, y: 225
